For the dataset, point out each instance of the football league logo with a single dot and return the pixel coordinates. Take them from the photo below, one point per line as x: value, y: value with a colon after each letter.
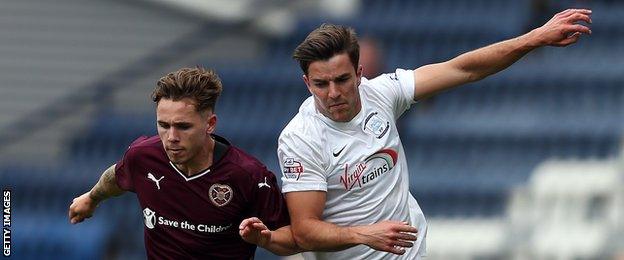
x: 220, y: 194
x: 150, y: 218
x: 292, y: 168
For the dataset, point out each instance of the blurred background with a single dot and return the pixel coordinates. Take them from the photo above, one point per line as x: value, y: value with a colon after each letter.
x: 526, y: 164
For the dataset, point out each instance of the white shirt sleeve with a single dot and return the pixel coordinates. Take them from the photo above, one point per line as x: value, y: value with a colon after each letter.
x: 300, y: 164
x: 397, y: 88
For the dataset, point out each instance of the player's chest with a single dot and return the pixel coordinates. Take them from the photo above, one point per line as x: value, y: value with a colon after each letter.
x: 208, y: 198
x: 364, y: 156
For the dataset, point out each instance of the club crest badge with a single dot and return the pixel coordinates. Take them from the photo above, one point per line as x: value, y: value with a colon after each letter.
x: 376, y: 125
x: 220, y: 194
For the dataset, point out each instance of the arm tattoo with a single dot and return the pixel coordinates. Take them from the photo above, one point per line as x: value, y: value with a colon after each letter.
x: 106, y: 187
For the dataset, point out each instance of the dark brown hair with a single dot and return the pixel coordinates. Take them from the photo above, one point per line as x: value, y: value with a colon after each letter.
x: 326, y: 41
x: 200, y: 84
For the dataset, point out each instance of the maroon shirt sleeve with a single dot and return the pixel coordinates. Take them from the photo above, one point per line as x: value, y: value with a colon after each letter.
x: 269, y: 204
x: 123, y: 172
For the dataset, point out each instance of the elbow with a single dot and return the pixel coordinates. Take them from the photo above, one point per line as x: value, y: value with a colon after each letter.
x: 302, y: 240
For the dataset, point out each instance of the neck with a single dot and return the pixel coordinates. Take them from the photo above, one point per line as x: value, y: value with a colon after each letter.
x: 201, y: 161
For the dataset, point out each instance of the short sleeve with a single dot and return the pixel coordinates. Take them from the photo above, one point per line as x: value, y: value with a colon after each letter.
x: 270, y: 206
x: 123, y: 172
x: 397, y: 88
x: 299, y: 162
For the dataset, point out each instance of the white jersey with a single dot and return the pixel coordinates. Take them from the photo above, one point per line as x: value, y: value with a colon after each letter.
x: 360, y: 164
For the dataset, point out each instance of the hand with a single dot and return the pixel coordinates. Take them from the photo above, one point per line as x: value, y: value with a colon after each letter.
x: 81, y: 208
x: 563, y: 29
x: 253, y: 231
x: 389, y: 236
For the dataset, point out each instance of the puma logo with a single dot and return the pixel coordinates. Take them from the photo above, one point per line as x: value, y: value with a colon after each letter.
x: 264, y: 184
x: 157, y: 181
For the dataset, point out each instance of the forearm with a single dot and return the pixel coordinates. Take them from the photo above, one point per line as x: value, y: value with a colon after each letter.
x: 282, y: 242
x: 491, y: 59
x: 106, y: 187
x: 317, y: 235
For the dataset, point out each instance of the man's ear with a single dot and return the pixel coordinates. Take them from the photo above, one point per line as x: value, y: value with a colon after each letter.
x: 212, y: 123
x: 358, y: 74
x: 307, y: 82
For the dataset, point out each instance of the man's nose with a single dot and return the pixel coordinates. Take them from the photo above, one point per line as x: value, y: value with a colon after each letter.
x: 334, y: 92
x: 172, y: 135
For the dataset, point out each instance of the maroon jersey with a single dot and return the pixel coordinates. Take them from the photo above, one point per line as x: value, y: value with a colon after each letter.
x: 197, y: 217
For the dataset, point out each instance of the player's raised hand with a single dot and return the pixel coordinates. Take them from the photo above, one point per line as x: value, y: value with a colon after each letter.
x: 81, y: 208
x: 253, y: 231
x: 564, y: 28
x: 389, y: 236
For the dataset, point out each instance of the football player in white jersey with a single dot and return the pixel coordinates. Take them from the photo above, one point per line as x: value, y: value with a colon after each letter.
x: 345, y: 175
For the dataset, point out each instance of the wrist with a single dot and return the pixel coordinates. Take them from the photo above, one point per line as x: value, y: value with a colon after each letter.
x: 532, y: 40
x: 355, y: 236
x: 93, y: 196
x: 264, y: 243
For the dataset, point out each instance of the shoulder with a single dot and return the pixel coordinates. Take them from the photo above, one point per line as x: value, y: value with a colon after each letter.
x: 145, y: 145
x: 305, y: 125
x: 252, y: 168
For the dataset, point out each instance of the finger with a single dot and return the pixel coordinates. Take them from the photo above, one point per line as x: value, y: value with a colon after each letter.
x: 406, y: 236
x: 577, y: 28
x: 572, y: 39
x: 584, y: 11
x: 406, y: 228
x: 76, y: 219
x: 578, y: 17
x: 248, y: 222
x: 243, y: 232
x: 71, y: 213
x: 265, y: 232
x: 243, y: 223
x: 396, y: 250
x: 402, y: 243
x: 570, y: 12
x: 259, y: 226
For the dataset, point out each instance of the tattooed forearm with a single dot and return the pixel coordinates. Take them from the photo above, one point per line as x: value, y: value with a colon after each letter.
x: 106, y: 187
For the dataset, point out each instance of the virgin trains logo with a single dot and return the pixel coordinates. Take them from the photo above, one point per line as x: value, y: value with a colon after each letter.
x: 372, y: 168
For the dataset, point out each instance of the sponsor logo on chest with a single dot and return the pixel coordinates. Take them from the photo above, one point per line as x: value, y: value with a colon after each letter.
x: 152, y: 219
x: 370, y: 170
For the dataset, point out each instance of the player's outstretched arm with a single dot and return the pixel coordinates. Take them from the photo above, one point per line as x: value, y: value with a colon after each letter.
x: 280, y: 241
x: 562, y: 30
x: 83, y: 206
x: 311, y: 233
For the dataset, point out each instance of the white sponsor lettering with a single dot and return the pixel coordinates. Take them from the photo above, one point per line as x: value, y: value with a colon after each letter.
x: 166, y: 222
x: 151, y: 220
